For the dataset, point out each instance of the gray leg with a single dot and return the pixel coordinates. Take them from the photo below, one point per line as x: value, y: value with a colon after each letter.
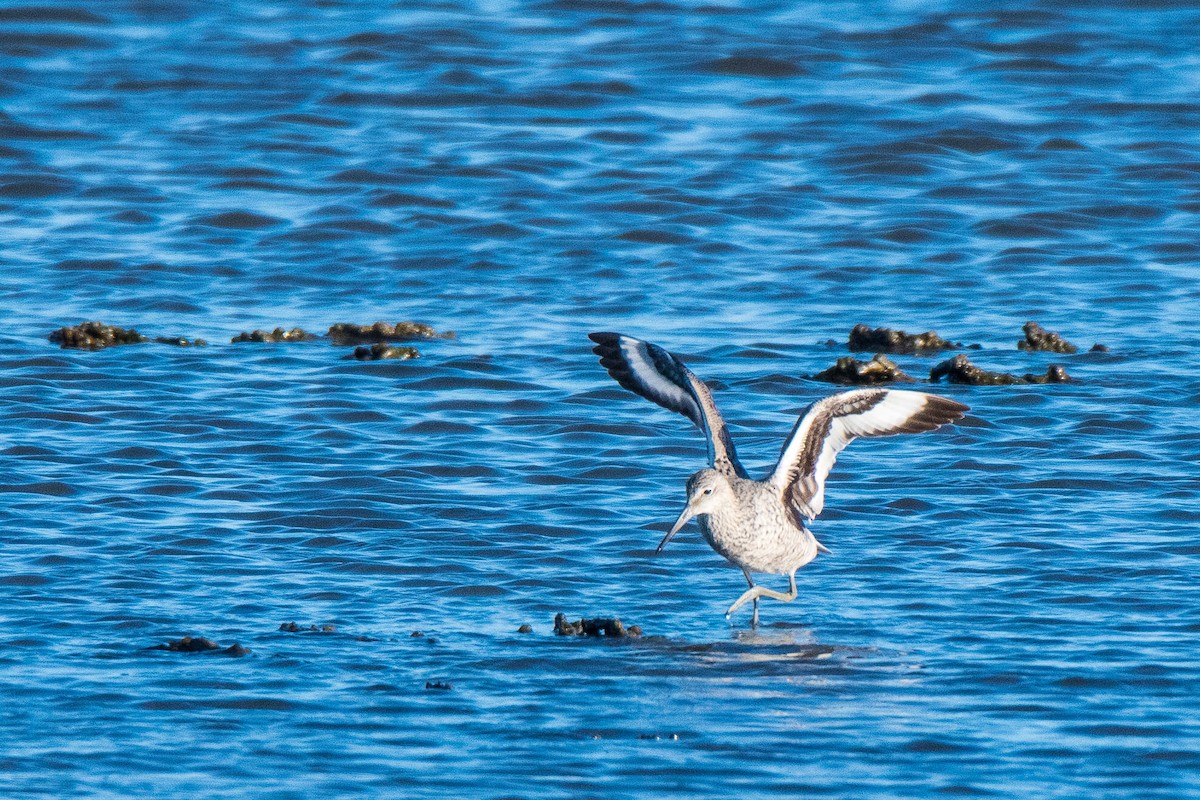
x: 755, y: 592
x: 750, y: 581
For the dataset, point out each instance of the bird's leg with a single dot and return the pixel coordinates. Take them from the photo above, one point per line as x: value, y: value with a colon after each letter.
x: 750, y: 581
x: 755, y: 592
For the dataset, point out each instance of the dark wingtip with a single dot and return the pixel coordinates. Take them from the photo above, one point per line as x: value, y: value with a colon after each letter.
x: 606, y: 342
x: 609, y: 349
x: 943, y: 411
x: 953, y: 406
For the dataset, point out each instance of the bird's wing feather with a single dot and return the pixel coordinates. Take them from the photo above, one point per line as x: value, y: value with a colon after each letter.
x: 829, y: 425
x: 648, y: 370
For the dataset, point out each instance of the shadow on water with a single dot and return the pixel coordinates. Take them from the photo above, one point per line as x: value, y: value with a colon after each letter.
x: 777, y: 650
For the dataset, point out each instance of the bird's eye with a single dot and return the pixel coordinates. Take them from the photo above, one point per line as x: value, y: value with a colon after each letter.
x: 707, y: 491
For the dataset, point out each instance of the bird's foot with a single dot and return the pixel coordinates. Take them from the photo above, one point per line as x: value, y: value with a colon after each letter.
x: 753, y: 618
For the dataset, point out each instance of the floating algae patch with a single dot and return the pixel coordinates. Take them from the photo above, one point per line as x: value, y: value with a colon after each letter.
x: 189, y: 644
x: 887, y: 340
x: 960, y: 370
x: 382, y: 350
x: 610, y: 627
x: 852, y: 372
x: 95, y: 336
x: 1038, y: 338
x: 292, y: 627
x: 200, y: 644
x: 345, y: 333
x: 277, y: 335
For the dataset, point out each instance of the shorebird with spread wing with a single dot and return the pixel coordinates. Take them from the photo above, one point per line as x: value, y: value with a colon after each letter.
x: 760, y: 526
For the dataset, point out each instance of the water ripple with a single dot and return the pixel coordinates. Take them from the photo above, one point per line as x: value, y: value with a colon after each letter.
x: 1008, y: 607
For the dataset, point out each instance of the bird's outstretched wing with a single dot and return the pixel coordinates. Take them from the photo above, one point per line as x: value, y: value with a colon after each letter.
x: 646, y: 369
x: 829, y: 425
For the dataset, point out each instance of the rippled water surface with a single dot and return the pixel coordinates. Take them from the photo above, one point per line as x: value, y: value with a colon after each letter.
x: 1010, y: 608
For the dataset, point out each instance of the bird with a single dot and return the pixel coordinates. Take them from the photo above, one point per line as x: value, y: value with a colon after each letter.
x: 762, y: 525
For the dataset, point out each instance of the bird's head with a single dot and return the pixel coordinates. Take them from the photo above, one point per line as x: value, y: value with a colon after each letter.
x: 707, y: 491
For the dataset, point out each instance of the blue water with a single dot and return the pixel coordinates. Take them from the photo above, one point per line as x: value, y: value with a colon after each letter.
x: 1010, y: 609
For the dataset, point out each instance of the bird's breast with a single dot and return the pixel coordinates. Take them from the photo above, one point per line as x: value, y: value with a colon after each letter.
x: 758, y: 534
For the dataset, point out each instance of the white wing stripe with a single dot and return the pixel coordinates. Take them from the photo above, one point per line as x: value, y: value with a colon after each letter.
x: 831, y: 424
x: 637, y: 357
x: 660, y: 377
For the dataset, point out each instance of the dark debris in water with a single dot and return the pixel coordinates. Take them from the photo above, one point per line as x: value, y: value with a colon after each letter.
x: 960, y: 370
x: 344, y: 333
x: 381, y: 350
x: 850, y: 371
x: 1054, y: 374
x: 292, y: 627
x: 201, y: 644
x: 526, y: 628
x: 600, y: 626
x: 95, y: 336
x: 440, y: 686
x: 887, y: 340
x: 189, y: 644
x: 277, y: 335
x: 1038, y: 338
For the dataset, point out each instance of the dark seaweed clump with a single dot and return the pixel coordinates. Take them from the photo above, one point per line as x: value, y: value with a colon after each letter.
x: 277, y: 335
x: 95, y: 336
x: 1039, y: 339
x: 382, y: 350
x: 346, y: 333
x: 292, y: 627
x: 600, y: 626
x: 960, y: 370
x: 200, y: 644
x: 850, y: 371
x: 887, y: 340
